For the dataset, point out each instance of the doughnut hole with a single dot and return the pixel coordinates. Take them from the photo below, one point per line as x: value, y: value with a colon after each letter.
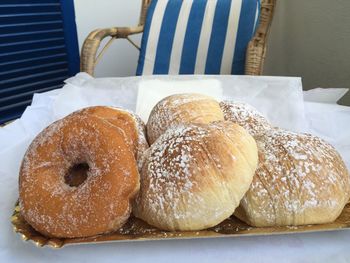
x: 77, y: 174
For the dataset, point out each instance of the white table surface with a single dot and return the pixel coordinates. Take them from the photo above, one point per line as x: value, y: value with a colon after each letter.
x: 316, y: 247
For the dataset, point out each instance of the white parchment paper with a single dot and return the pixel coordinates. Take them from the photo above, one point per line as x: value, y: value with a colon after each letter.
x: 281, y: 99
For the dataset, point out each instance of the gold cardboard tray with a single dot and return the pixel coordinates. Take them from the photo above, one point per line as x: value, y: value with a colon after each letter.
x: 137, y: 230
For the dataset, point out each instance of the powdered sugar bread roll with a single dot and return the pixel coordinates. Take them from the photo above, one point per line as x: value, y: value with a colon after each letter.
x: 182, y: 108
x: 300, y: 180
x: 246, y: 116
x: 194, y: 176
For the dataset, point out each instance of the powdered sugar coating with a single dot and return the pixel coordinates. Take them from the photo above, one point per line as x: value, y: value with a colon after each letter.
x: 246, y: 116
x: 181, y: 109
x: 131, y: 125
x: 188, y: 176
x: 142, y: 144
x: 300, y: 180
x: 102, y: 202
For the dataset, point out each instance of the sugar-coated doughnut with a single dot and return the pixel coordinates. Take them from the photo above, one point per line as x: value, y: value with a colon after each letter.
x: 132, y: 126
x: 78, y: 178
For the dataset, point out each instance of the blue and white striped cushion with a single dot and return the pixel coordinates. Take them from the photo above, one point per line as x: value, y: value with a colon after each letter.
x: 197, y: 36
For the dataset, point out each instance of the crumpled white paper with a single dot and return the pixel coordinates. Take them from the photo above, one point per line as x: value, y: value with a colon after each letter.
x: 330, y: 96
x: 279, y: 98
x: 332, y: 123
x: 264, y: 93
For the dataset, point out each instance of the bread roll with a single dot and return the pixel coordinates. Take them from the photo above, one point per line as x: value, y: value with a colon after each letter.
x: 182, y: 108
x: 300, y: 180
x: 246, y: 116
x: 194, y: 176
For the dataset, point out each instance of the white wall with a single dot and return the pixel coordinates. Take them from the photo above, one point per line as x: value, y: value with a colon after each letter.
x: 121, y: 57
x: 309, y: 38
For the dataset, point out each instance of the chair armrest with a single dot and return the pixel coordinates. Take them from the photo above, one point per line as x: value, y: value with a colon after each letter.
x: 255, y: 56
x: 256, y: 50
x: 89, y: 57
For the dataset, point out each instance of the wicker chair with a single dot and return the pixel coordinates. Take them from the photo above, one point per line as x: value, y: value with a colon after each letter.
x: 254, y: 57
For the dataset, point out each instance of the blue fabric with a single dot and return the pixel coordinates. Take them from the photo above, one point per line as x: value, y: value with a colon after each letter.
x: 166, y: 37
x: 245, y: 33
x: 193, y: 31
x: 162, y: 35
x: 217, y: 39
x: 145, y: 35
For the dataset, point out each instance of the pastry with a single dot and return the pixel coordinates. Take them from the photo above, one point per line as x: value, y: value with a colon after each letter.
x: 180, y: 109
x: 300, y: 180
x: 78, y: 178
x: 246, y: 116
x: 132, y: 126
x: 194, y: 176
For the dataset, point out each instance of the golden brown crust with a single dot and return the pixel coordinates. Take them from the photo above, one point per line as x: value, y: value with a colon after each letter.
x: 181, y: 109
x: 194, y: 175
x: 102, y: 202
x: 300, y: 180
x: 132, y: 126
